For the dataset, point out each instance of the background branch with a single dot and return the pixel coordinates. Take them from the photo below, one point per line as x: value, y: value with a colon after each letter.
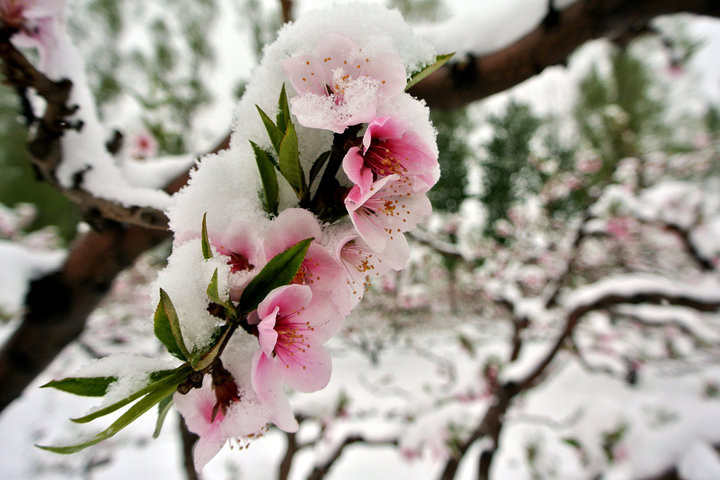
x: 550, y: 43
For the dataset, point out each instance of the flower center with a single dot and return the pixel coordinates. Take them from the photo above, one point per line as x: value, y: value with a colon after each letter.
x: 239, y: 263
x: 380, y: 159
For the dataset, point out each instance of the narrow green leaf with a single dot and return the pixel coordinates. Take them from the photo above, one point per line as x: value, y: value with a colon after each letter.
x: 317, y: 166
x: 214, y: 295
x: 268, y: 177
x: 142, y: 406
x: 207, y: 252
x: 416, y: 77
x: 163, y: 408
x: 573, y: 442
x: 167, y: 327
x: 85, y: 386
x: 289, y: 162
x: 279, y: 271
x: 283, y: 116
x: 275, y: 134
x: 160, y: 380
x: 202, y: 358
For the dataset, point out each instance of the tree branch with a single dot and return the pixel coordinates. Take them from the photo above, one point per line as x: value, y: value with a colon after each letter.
x: 492, y: 422
x: 45, y: 147
x: 319, y: 471
x: 550, y: 43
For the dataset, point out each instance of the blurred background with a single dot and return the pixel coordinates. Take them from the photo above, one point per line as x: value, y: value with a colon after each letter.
x: 591, y: 177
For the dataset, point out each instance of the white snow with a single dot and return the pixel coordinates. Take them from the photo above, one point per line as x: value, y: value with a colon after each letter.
x: 20, y: 265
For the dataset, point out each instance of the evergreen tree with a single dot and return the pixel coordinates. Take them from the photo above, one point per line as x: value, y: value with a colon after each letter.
x: 507, y: 172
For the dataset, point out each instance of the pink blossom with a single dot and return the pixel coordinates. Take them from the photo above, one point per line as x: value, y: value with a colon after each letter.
x: 363, y: 264
x: 340, y: 85
x: 588, y: 165
x: 38, y: 21
x: 620, y: 227
x: 291, y: 331
x: 144, y: 145
x: 389, y: 148
x: 319, y: 270
x: 227, y: 407
x: 216, y: 420
x: 388, y: 208
x: 240, y: 242
x: 197, y: 407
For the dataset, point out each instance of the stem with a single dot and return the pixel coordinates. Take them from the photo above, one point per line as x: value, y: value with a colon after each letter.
x: 326, y: 203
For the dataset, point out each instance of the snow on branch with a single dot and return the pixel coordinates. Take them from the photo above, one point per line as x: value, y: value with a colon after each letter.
x: 628, y: 289
x: 67, y: 144
x: 550, y: 43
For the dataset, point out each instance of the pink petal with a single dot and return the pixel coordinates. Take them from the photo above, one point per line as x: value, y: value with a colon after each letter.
x: 354, y: 167
x: 308, y: 370
x: 290, y: 227
x: 265, y: 378
x: 306, y: 75
x: 323, y: 273
x: 389, y: 70
x: 396, y: 253
x: 267, y: 384
x: 283, y: 416
x: 288, y: 298
x: 206, y: 448
x: 267, y: 336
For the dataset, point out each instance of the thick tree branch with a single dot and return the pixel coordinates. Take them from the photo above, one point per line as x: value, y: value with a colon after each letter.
x: 58, y: 305
x: 550, y: 43
x: 286, y: 6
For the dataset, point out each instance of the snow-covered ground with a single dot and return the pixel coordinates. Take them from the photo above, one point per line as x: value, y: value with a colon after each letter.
x: 423, y: 386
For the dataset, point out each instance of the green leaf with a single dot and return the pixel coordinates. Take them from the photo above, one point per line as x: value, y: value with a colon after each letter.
x: 85, y: 386
x: 214, y: 295
x: 289, y: 162
x: 163, y: 408
x: 283, y: 116
x: 279, y: 271
x: 317, y: 166
x: 573, y: 442
x: 207, y: 252
x: 268, y: 177
x: 202, y: 358
x: 416, y: 77
x: 275, y: 134
x: 167, y: 327
x: 160, y: 380
x: 142, y: 406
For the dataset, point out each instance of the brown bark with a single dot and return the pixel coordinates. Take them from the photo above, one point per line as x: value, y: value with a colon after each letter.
x: 550, y: 43
x: 58, y: 304
x: 188, y: 439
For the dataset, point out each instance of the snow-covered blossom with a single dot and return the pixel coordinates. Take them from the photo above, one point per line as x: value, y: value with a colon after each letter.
x: 242, y: 245
x: 390, y: 148
x: 340, y: 85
